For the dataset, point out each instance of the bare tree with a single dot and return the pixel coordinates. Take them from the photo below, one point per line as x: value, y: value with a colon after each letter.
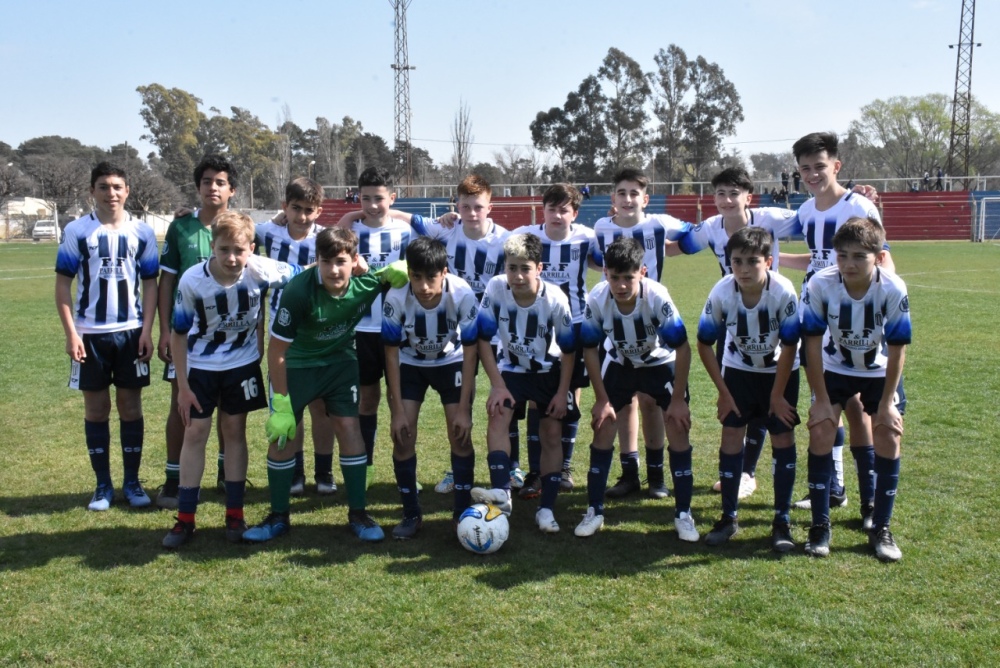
x: 461, y: 140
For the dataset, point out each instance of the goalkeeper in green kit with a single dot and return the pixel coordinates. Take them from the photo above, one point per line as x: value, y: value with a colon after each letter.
x: 310, y: 356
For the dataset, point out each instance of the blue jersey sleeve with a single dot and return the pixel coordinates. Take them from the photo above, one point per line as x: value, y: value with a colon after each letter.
x: 790, y: 327
x: 813, y: 311
x: 419, y: 224
x: 392, y: 319
x: 488, y: 317
x: 563, y: 326
x: 711, y: 322
x: 691, y: 239
x: 468, y: 324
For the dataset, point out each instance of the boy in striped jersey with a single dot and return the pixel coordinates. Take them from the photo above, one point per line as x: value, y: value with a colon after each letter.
x: 537, y: 354
x: 648, y: 352
x: 217, y: 363
x: 294, y: 242
x: 755, y: 311
x: 430, y: 333
x: 652, y: 232
x: 567, y: 251
x: 856, y: 326
x: 108, y: 326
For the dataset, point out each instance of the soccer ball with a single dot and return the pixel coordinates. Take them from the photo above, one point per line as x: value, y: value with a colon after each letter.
x: 483, y: 528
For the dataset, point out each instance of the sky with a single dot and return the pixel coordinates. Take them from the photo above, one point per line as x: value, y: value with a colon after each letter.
x: 71, y: 68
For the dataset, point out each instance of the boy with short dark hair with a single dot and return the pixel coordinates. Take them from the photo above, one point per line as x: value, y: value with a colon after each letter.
x: 311, y: 355
x: 217, y: 363
x: 861, y: 312
x: 648, y: 352
x: 755, y: 310
x: 430, y: 333
x: 532, y: 320
x: 294, y: 241
x: 108, y: 326
x: 187, y: 243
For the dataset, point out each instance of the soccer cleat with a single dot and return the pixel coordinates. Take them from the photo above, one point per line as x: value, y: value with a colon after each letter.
x: 135, y: 494
x: 748, y: 485
x: 885, y: 545
x: 590, y: 524
x: 658, y: 489
x: 235, y: 528
x: 103, y: 496
x: 836, y: 501
x: 167, y: 498
x: 818, y: 544
x: 364, y: 526
x: 626, y: 485
x: 867, y: 517
x: 803, y: 504
x: 274, y: 525
x: 723, y: 530
x: 325, y: 484
x: 686, y: 530
x: 495, y: 496
x: 298, y: 485
x: 182, y: 533
x: 408, y: 528
x: 447, y: 484
x: 781, y: 537
x: 546, y: 521
x: 516, y: 478
x: 532, y: 487
x: 566, y: 478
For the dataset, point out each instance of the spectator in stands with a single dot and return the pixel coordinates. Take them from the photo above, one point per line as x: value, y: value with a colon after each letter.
x: 347, y: 196
x: 585, y: 191
x: 850, y: 184
x: 796, y: 181
x: 914, y: 187
x: 784, y: 180
x: 782, y: 195
x: 939, y: 184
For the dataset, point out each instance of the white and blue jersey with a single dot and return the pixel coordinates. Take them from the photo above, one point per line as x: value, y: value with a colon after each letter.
x: 754, y: 336
x: 431, y: 336
x: 474, y: 261
x: 109, y: 265
x: 564, y: 263
x: 531, y: 337
x: 712, y: 233
x: 381, y: 246
x: 856, y: 332
x: 648, y: 336
x: 220, y: 322
x: 818, y: 227
x: 273, y: 241
x: 653, y: 233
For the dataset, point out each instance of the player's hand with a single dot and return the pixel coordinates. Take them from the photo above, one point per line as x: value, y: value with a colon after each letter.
x: 448, y: 220
x: 394, y: 274
x: 557, y: 408
x: 461, y: 426
x: 820, y: 411
x: 784, y: 411
x: 280, y: 425
x: 360, y: 268
x: 679, y: 412
x: 185, y: 401
x: 183, y: 211
x: 724, y: 406
x: 145, y: 347
x: 867, y: 191
x: 888, y: 417
x: 399, y: 429
x: 281, y: 220
x: 601, y: 413
x: 75, y: 348
x: 163, y: 349
x: 500, y: 399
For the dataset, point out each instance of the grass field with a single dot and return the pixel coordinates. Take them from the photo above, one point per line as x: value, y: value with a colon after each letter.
x: 82, y: 589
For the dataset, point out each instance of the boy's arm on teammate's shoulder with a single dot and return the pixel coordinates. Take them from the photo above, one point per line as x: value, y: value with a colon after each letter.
x: 349, y: 218
x: 798, y: 261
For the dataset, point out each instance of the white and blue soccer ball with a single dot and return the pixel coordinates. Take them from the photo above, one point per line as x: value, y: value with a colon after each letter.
x: 483, y: 528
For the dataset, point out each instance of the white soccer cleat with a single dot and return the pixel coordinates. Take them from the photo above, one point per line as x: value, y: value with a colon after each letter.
x: 591, y: 524
x: 447, y: 484
x: 686, y: 530
x: 748, y: 485
x: 546, y: 521
x: 495, y: 496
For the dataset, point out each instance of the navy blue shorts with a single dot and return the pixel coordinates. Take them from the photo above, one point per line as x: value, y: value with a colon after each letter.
x: 233, y: 391
x: 540, y: 388
x: 371, y: 356
x: 842, y: 387
x: 623, y: 381
x: 752, y: 393
x: 445, y: 379
x: 112, y: 358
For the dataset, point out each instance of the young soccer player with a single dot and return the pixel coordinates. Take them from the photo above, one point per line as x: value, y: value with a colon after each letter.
x: 648, y: 352
x: 567, y: 251
x: 108, y: 326
x: 294, y: 242
x: 856, y: 326
x: 311, y: 356
x: 630, y: 198
x: 818, y: 219
x: 186, y: 244
x: 217, y: 363
x: 537, y: 354
x: 756, y: 311
x: 430, y: 333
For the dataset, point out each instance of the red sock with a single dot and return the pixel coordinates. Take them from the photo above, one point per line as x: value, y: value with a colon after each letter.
x: 234, y: 513
x: 186, y: 517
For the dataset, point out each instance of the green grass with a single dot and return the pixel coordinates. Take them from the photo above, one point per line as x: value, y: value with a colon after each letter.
x: 81, y: 589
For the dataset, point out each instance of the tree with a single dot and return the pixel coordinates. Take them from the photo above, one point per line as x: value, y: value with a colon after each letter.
x: 903, y: 136
x: 461, y: 140
x: 771, y: 165
x: 624, y: 115
x: 672, y: 83
x: 574, y: 132
x: 64, y: 180
x: 516, y: 167
x: 13, y: 183
x: 172, y: 118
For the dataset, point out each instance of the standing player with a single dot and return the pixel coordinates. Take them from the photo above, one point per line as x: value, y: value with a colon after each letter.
x: 567, y: 251
x: 648, y: 352
x: 214, y: 345
x: 295, y: 242
x: 537, y: 353
x: 108, y: 326
x: 430, y: 333
x: 755, y: 310
x: 187, y: 243
x: 856, y: 326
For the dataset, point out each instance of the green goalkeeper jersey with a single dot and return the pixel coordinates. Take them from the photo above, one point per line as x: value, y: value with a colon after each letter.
x: 317, y: 324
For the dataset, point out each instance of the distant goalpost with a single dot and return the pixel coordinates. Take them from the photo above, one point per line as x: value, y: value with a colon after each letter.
x: 987, y: 227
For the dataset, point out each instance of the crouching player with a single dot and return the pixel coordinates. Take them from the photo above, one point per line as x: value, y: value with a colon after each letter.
x: 855, y: 325
x: 310, y: 356
x: 431, y: 337
x: 756, y: 310
x: 217, y: 363
x: 537, y: 354
x: 649, y: 353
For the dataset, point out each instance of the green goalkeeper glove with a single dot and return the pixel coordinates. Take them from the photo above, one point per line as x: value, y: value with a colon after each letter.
x: 280, y: 426
x: 394, y: 274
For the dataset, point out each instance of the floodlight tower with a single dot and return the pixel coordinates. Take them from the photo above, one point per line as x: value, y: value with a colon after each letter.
x: 961, y: 108
x: 402, y: 67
